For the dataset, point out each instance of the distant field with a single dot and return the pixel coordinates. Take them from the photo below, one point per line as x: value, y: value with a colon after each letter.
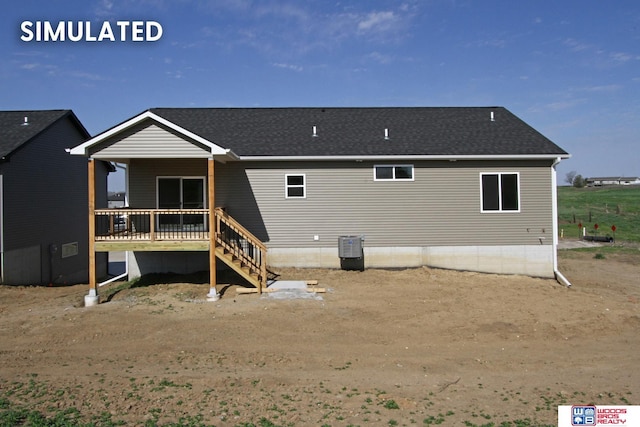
x: 605, y: 206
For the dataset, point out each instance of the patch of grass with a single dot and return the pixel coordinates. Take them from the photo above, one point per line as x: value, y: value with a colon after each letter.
x: 605, y: 206
x: 390, y: 404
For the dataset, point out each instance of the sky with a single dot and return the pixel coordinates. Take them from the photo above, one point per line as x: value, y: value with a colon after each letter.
x: 570, y: 69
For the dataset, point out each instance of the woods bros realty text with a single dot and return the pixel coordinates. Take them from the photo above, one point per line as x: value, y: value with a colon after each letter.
x: 87, y: 31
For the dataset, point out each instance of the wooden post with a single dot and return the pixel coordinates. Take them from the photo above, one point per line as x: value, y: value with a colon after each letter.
x: 152, y: 225
x: 211, y: 197
x: 92, y: 298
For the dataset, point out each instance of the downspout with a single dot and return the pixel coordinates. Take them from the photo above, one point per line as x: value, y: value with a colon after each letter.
x: 1, y: 231
x: 126, y: 205
x: 121, y: 276
x: 554, y: 195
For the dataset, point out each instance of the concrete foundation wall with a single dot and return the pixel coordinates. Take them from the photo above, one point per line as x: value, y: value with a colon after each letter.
x: 527, y: 260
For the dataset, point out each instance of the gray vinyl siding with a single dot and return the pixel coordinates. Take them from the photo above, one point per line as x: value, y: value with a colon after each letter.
x: 146, y: 140
x: 441, y: 207
x: 45, y: 203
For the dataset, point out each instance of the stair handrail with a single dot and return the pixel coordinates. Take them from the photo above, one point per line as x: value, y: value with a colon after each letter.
x: 229, y: 220
x: 258, y: 260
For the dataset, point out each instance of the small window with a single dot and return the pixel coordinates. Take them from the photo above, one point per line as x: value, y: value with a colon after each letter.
x: 393, y: 173
x: 295, y: 187
x: 500, y: 192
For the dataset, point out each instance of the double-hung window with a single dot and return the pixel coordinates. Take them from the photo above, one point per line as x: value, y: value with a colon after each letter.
x: 295, y: 186
x: 500, y: 192
x: 393, y: 173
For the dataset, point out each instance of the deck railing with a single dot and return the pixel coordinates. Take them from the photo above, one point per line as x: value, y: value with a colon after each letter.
x: 152, y: 224
x: 239, y: 248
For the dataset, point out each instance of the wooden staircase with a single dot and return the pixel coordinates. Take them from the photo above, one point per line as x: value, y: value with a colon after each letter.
x: 241, y: 250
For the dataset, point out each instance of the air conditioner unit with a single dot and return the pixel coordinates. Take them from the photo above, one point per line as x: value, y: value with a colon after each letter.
x: 350, y: 247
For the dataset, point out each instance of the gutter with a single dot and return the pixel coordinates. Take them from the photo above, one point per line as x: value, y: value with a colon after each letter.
x: 554, y: 195
x: 554, y: 157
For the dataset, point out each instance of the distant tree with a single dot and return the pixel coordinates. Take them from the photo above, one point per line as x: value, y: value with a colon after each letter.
x: 570, y: 176
x: 579, y: 181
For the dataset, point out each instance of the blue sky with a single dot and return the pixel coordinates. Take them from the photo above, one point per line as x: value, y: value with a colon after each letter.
x: 569, y: 68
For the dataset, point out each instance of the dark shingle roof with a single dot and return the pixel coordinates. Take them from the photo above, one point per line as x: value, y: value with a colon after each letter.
x: 14, y: 133
x: 455, y: 131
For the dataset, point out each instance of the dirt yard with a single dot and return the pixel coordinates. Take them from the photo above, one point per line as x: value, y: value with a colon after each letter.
x: 419, y: 346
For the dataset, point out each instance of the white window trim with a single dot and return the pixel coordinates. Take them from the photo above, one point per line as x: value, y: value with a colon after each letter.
x: 303, y: 186
x: 500, y: 210
x: 393, y: 168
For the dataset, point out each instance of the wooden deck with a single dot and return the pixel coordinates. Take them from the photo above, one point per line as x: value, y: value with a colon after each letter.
x: 152, y: 230
x: 173, y: 230
x: 146, y: 244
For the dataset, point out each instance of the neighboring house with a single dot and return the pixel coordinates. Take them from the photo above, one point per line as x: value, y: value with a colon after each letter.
x: 612, y: 180
x: 116, y: 199
x: 43, y: 199
x: 469, y: 188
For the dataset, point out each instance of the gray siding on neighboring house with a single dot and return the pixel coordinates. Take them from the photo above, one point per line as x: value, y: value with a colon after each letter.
x: 45, y: 207
x: 441, y: 207
x: 146, y: 137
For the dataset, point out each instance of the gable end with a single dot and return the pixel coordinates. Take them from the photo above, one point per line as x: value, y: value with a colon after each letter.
x: 149, y: 139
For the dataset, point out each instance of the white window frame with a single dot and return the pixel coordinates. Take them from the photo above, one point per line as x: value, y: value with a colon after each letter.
x: 500, y: 210
x: 393, y: 169
x: 287, y: 186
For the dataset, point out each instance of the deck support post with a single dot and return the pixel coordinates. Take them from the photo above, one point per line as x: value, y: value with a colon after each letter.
x: 213, y: 294
x: 92, y: 298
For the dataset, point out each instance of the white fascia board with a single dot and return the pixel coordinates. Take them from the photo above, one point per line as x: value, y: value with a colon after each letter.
x: 409, y: 157
x: 82, y: 149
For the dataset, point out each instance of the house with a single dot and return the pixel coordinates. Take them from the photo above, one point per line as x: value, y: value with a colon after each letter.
x: 116, y: 199
x: 470, y: 188
x: 43, y: 199
x: 612, y: 180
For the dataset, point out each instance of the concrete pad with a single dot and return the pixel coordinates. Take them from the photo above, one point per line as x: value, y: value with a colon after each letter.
x: 290, y: 289
x: 288, y: 284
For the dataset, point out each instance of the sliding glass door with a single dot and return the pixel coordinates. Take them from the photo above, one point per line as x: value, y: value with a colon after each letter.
x: 181, y: 193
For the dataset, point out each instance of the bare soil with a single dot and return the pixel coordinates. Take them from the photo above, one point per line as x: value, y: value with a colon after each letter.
x: 380, y: 347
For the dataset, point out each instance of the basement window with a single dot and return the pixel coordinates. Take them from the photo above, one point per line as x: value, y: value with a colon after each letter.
x: 393, y: 173
x: 295, y: 186
x: 500, y: 192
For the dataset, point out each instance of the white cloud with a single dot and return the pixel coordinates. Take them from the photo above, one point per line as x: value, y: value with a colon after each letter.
x: 104, y: 8
x: 30, y: 66
x: 602, y: 88
x: 621, y: 57
x: 292, y: 67
x: 379, y: 57
x: 377, y: 21
x: 87, y: 76
x: 286, y: 30
x: 499, y: 43
x: 575, y: 45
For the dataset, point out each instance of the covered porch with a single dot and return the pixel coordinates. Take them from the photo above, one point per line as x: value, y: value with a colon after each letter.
x: 170, y: 180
